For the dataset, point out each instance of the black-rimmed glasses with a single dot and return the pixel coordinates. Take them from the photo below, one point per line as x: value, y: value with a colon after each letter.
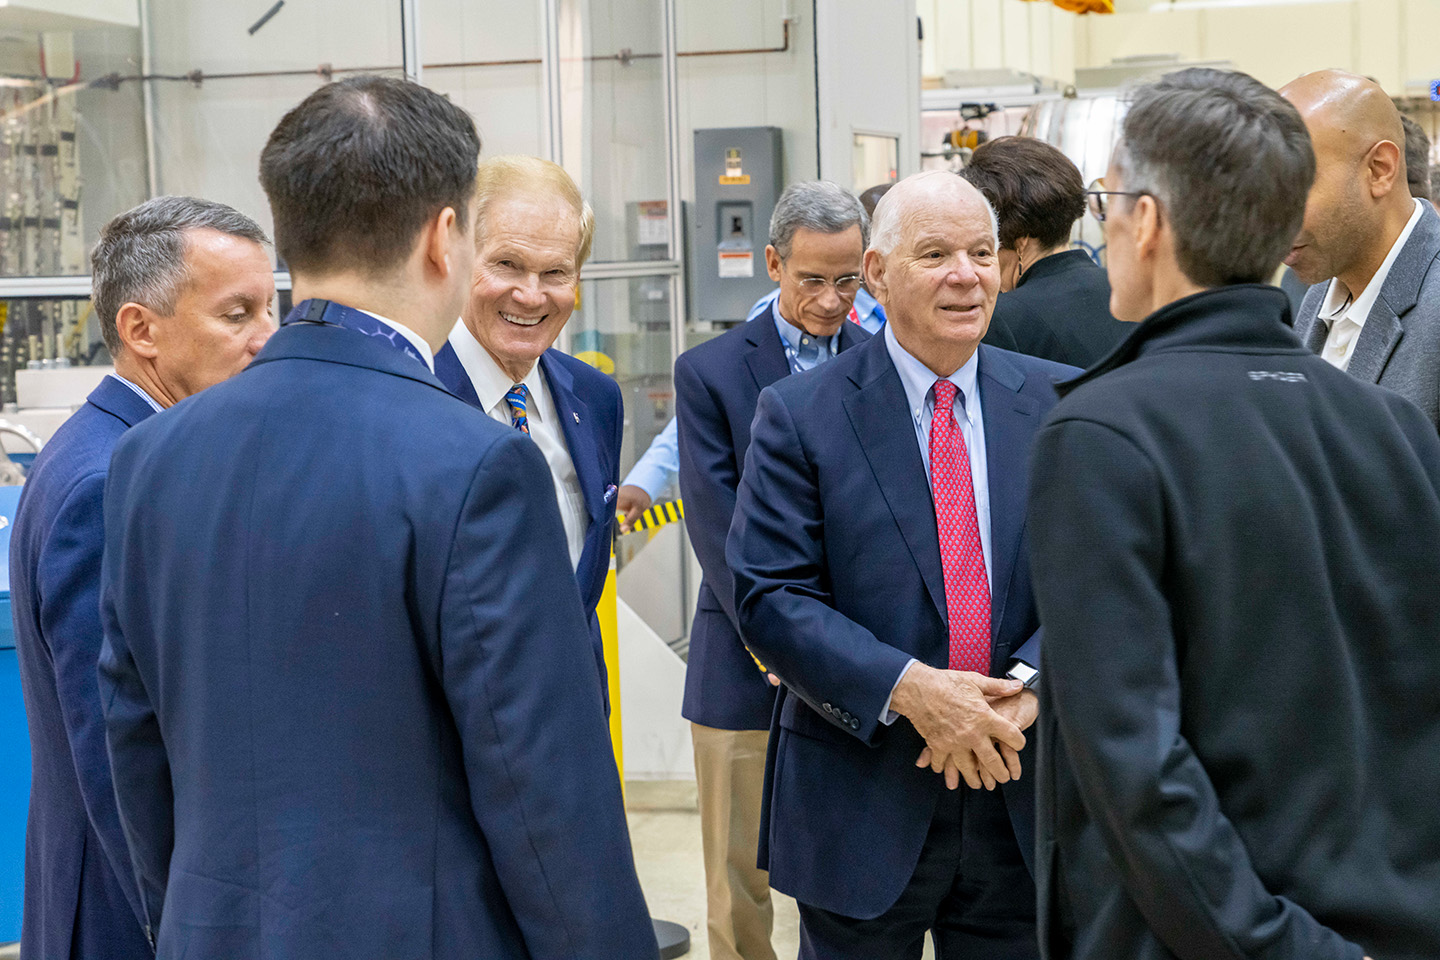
x: 1097, y: 198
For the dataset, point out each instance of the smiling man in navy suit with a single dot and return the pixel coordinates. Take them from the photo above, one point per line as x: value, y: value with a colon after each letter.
x: 183, y: 291
x: 533, y: 233
x: 347, y: 679
x: 882, y: 572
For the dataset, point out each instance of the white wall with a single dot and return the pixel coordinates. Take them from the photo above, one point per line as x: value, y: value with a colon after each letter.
x: 1394, y: 41
x: 1034, y: 38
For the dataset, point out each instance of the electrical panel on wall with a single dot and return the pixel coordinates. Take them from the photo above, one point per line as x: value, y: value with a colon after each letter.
x: 737, y: 182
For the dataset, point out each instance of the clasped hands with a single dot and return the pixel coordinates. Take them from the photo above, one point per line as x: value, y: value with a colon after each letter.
x: 973, y: 725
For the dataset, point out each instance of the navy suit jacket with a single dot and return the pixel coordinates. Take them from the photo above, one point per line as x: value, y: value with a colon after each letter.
x: 592, y: 416
x: 838, y: 584
x: 717, y: 384
x: 350, y: 704
x: 80, y: 898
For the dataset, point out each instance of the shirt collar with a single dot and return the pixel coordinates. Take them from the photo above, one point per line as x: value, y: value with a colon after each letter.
x: 792, y: 334
x: 420, y: 345
x: 1338, y: 299
x: 918, y: 379
x: 490, y: 382
x: 139, y: 391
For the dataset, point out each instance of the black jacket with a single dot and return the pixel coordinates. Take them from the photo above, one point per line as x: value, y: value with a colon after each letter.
x: 1236, y: 550
x: 1060, y: 310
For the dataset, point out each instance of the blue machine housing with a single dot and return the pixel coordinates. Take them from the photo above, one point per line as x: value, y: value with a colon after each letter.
x: 14, y: 745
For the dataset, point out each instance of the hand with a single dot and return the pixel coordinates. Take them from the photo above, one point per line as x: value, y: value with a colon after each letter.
x: 630, y: 503
x: 951, y: 710
x: 1020, y: 709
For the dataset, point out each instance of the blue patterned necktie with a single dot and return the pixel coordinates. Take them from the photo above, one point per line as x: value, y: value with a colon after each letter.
x: 517, y: 398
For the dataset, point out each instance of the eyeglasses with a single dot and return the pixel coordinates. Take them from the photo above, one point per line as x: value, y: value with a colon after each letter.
x: 1096, y: 198
x: 845, y: 286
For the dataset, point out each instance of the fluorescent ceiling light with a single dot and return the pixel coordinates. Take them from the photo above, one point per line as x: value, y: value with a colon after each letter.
x: 1164, y: 6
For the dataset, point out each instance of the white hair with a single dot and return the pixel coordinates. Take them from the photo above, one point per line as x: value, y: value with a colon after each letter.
x: 891, y: 211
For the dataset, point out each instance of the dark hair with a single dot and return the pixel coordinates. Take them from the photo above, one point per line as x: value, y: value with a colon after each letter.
x: 360, y: 166
x: 141, y: 255
x: 872, y: 196
x: 1036, y: 190
x: 1230, y: 163
x: 1417, y: 158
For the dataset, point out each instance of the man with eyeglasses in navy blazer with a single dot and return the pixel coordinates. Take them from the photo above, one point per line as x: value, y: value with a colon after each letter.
x: 817, y: 240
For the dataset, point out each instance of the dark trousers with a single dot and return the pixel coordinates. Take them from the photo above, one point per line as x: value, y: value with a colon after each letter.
x: 970, y: 888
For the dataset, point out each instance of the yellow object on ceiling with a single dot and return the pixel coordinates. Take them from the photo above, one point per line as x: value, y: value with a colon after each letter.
x: 1085, y: 6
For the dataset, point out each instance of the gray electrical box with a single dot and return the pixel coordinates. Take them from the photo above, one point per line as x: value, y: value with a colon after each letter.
x: 737, y: 181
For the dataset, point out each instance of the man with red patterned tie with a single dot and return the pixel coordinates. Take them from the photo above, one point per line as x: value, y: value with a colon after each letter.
x: 882, y: 572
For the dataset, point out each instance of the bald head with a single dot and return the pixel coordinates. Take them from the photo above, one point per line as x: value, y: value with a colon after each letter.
x: 1344, y: 112
x: 917, y: 193
x: 933, y: 262
x: 1360, y: 200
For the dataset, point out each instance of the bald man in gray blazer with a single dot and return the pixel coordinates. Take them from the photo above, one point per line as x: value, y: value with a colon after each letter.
x: 1371, y: 251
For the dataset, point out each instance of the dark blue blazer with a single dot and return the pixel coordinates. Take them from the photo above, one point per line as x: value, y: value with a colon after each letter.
x: 592, y: 416
x: 350, y: 703
x: 838, y: 584
x: 716, y: 385
x: 80, y: 898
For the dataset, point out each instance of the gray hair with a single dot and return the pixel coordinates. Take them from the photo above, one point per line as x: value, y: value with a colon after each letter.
x: 817, y: 205
x: 1230, y: 163
x: 141, y: 255
x: 890, y: 213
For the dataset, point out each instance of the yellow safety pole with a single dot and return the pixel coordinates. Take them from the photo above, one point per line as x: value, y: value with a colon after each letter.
x: 609, y: 617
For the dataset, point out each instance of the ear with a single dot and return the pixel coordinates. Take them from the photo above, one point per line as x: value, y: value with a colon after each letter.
x: 772, y: 262
x: 1385, y: 165
x: 873, y: 267
x: 135, y: 323
x: 440, y: 240
x: 1147, y: 225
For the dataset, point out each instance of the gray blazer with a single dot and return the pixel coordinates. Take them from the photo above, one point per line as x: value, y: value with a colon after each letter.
x: 1399, y: 346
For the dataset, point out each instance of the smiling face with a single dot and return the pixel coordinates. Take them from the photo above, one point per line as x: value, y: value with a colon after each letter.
x: 525, y: 278
x: 939, y: 282
x: 222, y: 317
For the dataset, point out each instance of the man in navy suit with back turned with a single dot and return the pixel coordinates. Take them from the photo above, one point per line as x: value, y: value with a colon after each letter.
x: 817, y: 243
x: 183, y: 291
x: 532, y: 233
x: 882, y: 572
x: 347, y: 680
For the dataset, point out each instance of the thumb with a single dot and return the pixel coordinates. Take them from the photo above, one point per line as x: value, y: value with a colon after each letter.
x: 997, y: 686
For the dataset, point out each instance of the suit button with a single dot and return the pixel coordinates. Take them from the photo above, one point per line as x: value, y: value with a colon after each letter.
x: 827, y: 708
x: 854, y: 724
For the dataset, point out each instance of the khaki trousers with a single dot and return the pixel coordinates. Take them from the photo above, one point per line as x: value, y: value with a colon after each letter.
x: 729, y: 780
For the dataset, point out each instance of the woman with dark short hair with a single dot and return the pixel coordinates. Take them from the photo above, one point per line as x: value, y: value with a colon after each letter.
x: 1054, y: 301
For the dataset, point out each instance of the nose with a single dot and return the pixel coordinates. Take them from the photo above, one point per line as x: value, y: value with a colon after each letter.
x: 962, y: 271
x: 261, y: 334
x: 528, y: 292
x: 829, y: 299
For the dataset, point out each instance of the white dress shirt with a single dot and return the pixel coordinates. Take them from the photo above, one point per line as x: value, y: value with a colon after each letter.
x: 491, y: 384
x: 1345, y: 313
x: 919, y: 383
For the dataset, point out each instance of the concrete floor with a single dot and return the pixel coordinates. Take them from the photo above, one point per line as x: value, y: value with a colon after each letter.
x: 665, y: 833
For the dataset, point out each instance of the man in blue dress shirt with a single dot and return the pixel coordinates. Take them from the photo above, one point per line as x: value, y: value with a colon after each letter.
x: 183, y: 292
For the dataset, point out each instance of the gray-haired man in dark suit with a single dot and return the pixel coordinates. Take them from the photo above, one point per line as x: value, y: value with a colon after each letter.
x: 1369, y: 248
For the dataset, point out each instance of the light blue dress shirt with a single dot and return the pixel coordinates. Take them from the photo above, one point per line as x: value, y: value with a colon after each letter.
x: 138, y: 392
x: 657, y: 471
x: 919, y: 383
x: 804, y: 351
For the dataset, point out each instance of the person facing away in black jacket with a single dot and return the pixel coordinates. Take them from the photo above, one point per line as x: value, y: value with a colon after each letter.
x: 1054, y: 301
x: 1235, y: 555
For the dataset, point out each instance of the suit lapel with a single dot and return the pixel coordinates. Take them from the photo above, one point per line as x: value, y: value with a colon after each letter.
x: 118, y: 400
x: 451, y: 372
x: 1378, y: 340
x: 579, y: 432
x: 1010, y: 422
x: 766, y: 356
x: 879, y: 414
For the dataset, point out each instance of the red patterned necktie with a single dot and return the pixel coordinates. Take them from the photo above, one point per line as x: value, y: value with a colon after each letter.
x: 967, y: 588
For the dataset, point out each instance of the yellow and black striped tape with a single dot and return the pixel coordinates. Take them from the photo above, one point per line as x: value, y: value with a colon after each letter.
x: 660, y: 515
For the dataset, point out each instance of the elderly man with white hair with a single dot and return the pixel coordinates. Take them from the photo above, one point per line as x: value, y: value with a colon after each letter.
x: 533, y: 231
x: 882, y: 572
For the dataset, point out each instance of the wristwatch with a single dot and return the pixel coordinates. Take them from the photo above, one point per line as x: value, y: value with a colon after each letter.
x: 1022, y: 671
